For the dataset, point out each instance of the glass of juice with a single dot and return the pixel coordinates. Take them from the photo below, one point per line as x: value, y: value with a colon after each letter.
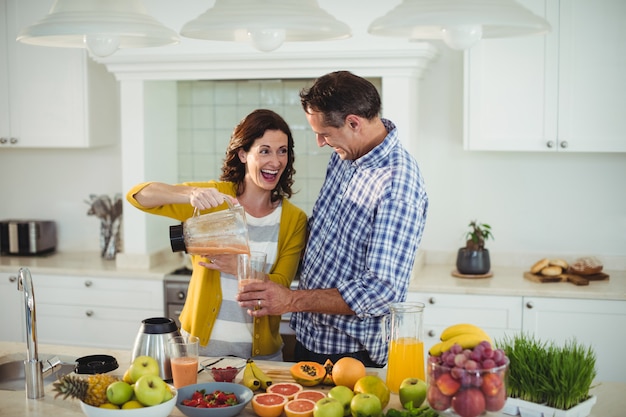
x: 250, y: 267
x: 184, y: 360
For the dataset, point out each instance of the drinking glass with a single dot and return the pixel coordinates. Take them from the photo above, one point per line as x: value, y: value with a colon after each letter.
x: 184, y: 360
x: 250, y: 267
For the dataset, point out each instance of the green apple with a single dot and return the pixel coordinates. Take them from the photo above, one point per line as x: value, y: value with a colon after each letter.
x: 150, y: 390
x: 412, y: 390
x: 365, y: 405
x: 119, y: 392
x: 328, y: 407
x: 344, y: 395
x: 143, y: 365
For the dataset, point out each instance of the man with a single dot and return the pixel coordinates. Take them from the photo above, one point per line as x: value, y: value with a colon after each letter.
x: 363, y: 233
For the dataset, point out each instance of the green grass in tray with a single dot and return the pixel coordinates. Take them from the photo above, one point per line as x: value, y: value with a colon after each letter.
x: 545, y: 373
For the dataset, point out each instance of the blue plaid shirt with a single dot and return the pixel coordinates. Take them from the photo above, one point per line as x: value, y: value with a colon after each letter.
x: 364, y: 232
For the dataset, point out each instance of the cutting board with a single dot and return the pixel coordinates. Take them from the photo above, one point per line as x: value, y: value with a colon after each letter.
x: 572, y: 278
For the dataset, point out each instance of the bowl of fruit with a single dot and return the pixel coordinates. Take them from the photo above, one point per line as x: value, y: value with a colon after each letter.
x: 224, y: 369
x: 213, y: 399
x: 467, y: 382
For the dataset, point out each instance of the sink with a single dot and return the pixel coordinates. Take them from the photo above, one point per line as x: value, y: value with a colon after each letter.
x: 12, y: 373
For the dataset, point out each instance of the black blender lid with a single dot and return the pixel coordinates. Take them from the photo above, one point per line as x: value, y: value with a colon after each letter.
x: 158, y: 325
x: 95, y: 364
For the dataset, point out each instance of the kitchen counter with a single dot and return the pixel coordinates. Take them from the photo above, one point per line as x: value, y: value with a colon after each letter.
x: 610, y: 403
x: 429, y: 278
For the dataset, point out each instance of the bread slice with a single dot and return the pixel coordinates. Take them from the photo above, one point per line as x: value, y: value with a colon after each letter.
x: 539, y: 265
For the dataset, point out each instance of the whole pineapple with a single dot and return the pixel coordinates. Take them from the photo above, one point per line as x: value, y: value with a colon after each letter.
x: 91, y: 390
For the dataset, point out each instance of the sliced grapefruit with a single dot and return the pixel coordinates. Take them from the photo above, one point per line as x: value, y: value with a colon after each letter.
x: 288, y: 389
x: 268, y: 404
x: 299, y: 408
x: 309, y: 394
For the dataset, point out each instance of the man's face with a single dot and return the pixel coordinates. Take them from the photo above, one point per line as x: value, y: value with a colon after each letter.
x: 341, y: 139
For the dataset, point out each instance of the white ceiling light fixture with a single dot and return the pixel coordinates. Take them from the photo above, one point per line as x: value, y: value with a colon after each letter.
x: 459, y: 23
x: 101, y: 26
x: 266, y: 23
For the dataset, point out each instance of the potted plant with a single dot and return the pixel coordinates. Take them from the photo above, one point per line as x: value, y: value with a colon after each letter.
x: 546, y: 379
x: 473, y: 259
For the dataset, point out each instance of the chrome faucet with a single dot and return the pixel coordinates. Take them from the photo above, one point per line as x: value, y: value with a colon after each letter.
x: 34, y: 369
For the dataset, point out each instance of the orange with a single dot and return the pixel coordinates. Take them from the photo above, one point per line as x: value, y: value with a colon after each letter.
x: 347, y: 370
x: 288, y: 389
x: 267, y: 404
x: 299, y: 408
x: 309, y: 394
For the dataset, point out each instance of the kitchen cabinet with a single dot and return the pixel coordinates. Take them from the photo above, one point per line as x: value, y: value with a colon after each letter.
x: 51, y: 97
x: 104, y: 312
x: 596, y: 323
x: 12, y: 327
x: 564, y: 91
x: 497, y: 315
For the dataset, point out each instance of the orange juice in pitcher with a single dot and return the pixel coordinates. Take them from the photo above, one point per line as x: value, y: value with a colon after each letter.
x: 406, y: 346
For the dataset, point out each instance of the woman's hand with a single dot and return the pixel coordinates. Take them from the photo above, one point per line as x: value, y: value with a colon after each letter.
x: 223, y: 263
x: 206, y: 198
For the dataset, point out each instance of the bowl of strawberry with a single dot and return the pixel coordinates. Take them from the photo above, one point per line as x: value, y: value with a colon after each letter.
x: 213, y: 399
x: 224, y: 369
x: 467, y: 382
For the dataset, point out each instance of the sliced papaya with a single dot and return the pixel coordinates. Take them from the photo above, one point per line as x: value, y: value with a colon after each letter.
x: 308, y: 373
x: 328, y: 379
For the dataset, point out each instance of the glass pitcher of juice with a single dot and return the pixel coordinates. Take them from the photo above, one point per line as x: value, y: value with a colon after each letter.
x: 406, y: 344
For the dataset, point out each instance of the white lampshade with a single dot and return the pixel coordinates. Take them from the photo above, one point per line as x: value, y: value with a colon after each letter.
x: 102, y: 26
x: 460, y: 23
x: 266, y: 23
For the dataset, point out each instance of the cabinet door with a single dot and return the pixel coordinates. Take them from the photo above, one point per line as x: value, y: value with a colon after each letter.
x: 511, y: 89
x: 12, y: 326
x: 592, y: 80
x: 596, y: 323
x: 497, y: 315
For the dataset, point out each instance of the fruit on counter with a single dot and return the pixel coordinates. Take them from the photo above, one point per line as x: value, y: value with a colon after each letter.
x: 309, y: 395
x: 344, y: 395
x: 90, y: 390
x: 328, y: 407
x: 142, y: 365
x: 299, y: 408
x: 119, y: 392
x: 347, y: 370
x: 469, y: 381
x: 215, y: 399
x: 372, y: 384
x: 413, y: 391
x: 288, y: 389
x: 308, y: 373
x: 110, y: 406
x: 464, y: 334
x: 249, y: 379
x: 265, y: 380
x: 365, y: 405
x: 328, y: 379
x: 149, y: 390
x: 267, y: 404
x: 132, y: 404
x: 226, y: 374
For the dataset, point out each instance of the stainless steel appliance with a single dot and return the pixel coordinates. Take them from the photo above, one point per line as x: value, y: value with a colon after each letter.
x: 27, y: 237
x: 152, y: 340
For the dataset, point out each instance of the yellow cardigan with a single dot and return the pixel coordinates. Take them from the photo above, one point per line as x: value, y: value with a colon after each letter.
x: 204, y: 296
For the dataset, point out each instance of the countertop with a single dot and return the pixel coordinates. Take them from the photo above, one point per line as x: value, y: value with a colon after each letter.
x: 508, y: 281
x: 611, y: 401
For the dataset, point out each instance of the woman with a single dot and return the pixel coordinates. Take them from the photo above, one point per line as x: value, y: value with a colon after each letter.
x: 257, y: 172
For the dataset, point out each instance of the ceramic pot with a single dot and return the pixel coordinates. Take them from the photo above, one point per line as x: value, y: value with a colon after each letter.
x: 473, y: 262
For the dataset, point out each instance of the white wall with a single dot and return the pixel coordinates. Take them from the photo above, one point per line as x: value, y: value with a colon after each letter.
x: 538, y: 204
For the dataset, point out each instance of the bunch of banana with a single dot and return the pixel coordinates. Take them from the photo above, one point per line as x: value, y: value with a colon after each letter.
x: 254, y: 378
x: 466, y: 335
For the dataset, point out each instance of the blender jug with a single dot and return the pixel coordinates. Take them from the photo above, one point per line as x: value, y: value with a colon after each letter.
x: 218, y: 233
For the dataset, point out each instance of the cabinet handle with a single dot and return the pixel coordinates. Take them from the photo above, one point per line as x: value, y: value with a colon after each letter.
x: 564, y: 144
x: 181, y: 295
x: 88, y: 283
x: 550, y: 144
x: 13, y: 141
x: 432, y: 300
x: 3, y: 141
x: 432, y: 333
x: 530, y: 305
x: 12, y: 278
x: 89, y: 313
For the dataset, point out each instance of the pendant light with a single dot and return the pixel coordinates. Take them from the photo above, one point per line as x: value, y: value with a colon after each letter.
x: 460, y: 23
x: 266, y: 23
x: 101, y: 26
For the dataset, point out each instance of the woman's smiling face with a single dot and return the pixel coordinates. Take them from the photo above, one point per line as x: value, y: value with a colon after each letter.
x: 266, y: 160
